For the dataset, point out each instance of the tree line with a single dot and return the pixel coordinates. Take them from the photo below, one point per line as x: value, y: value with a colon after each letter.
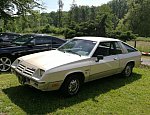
x: 123, y: 19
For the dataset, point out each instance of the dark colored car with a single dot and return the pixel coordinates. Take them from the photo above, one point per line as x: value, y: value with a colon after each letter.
x: 26, y: 44
x: 8, y: 37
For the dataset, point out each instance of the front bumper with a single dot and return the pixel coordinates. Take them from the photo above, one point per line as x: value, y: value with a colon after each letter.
x: 37, y: 83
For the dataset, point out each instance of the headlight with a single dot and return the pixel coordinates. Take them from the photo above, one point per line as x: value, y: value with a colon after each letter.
x: 41, y: 72
x: 16, y: 62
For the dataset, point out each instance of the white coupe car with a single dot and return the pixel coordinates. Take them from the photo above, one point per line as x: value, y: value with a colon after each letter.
x: 80, y: 60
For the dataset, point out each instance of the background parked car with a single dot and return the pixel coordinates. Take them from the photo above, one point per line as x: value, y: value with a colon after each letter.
x: 26, y: 44
x: 6, y: 38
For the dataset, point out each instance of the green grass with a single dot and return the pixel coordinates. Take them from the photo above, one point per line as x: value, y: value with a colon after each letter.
x: 143, y: 39
x: 143, y: 44
x: 111, y: 95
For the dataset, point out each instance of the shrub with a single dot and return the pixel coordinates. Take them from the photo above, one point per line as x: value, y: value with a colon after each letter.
x: 68, y: 33
x: 124, y: 36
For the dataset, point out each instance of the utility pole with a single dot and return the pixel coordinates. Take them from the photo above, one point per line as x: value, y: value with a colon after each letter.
x: 60, y: 4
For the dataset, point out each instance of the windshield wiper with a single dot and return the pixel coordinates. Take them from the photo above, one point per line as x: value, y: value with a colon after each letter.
x: 62, y: 50
x: 70, y: 51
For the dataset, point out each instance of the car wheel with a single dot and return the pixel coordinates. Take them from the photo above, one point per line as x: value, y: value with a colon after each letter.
x: 128, y: 70
x: 5, y: 64
x: 71, y: 86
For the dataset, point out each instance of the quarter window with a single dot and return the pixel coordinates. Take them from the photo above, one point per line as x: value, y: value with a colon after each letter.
x: 57, y: 41
x: 42, y: 40
x: 129, y: 48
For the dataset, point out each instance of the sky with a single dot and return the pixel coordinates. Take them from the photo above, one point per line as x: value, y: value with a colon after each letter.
x: 52, y: 5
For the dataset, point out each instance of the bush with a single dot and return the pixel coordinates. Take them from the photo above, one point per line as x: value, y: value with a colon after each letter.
x: 52, y: 30
x: 124, y: 36
x: 46, y: 29
x: 68, y: 33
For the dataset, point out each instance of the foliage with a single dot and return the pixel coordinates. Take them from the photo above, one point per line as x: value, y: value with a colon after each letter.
x: 125, y: 36
x: 137, y: 18
x: 69, y: 33
x: 8, y: 8
x: 143, y: 39
x: 119, y: 7
x: 100, y: 25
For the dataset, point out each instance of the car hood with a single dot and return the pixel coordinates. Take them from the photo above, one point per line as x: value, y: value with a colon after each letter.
x: 50, y: 59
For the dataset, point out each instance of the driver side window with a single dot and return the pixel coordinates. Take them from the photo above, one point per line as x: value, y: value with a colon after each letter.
x: 41, y: 41
x: 107, y: 49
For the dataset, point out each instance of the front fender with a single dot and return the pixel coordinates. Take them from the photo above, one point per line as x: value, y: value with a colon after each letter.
x: 74, y: 71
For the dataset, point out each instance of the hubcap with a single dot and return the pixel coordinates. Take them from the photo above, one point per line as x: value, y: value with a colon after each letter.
x: 128, y: 71
x: 5, y: 64
x: 73, y: 87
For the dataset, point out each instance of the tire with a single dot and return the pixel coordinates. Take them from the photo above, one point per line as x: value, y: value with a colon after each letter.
x: 5, y: 64
x: 127, y: 72
x: 71, y: 86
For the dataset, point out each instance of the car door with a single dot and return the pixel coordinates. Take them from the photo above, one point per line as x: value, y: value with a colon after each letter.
x: 109, y: 64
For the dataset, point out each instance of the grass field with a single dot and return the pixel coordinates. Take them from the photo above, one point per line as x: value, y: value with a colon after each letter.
x: 143, y: 46
x: 113, y: 95
x: 143, y: 39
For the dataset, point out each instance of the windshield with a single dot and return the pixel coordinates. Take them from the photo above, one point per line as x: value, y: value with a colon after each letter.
x: 78, y: 46
x: 22, y: 40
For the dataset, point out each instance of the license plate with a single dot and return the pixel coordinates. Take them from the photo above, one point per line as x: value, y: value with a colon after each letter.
x: 21, y: 79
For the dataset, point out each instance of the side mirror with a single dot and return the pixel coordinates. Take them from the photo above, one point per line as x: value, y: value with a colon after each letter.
x: 99, y: 57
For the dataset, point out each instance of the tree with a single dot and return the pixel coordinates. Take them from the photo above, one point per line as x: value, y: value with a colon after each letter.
x: 101, y: 29
x: 93, y: 13
x: 74, y: 12
x: 54, y: 18
x: 119, y: 7
x: 105, y: 20
x: 84, y: 13
x: 137, y: 19
x: 9, y: 8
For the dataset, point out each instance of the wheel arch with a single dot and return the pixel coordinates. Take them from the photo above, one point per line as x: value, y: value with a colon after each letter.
x: 64, y: 88
x: 12, y: 58
x: 78, y: 74
x: 131, y: 62
x: 6, y: 64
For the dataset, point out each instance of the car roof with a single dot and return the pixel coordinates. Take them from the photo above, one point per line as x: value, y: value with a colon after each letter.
x: 98, y: 39
x: 36, y: 34
x: 9, y: 33
x: 42, y: 35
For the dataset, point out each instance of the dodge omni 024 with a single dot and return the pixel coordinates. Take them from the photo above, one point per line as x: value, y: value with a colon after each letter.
x: 79, y: 60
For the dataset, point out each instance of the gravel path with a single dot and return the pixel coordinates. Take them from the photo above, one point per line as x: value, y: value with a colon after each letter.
x: 146, y: 61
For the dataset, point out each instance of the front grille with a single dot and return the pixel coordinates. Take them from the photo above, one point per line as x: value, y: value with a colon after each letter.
x: 26, y: 70
x: 21, y: 67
